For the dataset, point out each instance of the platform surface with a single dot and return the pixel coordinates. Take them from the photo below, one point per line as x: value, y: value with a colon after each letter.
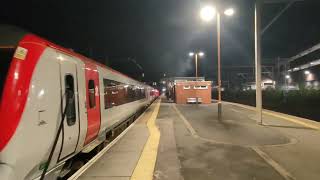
x: 194, y: 144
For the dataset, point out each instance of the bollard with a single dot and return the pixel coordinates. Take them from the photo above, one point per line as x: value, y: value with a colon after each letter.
x: 219, y: 111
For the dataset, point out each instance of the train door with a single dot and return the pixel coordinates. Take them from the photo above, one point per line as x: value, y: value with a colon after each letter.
x: 69, y: 91
x: 93, y: 102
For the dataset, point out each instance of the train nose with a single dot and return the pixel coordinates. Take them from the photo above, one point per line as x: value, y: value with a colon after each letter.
x: 6, y: 172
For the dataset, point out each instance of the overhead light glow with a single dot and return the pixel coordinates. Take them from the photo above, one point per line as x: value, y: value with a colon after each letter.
x: 191, y: 53
x: 229, y: 12
x: 207, y: 13
x: 287, y: 76
x: 306, y: 72
x: 201, y: 54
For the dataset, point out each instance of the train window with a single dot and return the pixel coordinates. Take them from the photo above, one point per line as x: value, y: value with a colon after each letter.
x: 143, y: 93
x: 70, y: 100
x: 130, y: 94
x: 111, y: 93
x: 121, y: 96
x: 91, y: 92
x: 6, y: 55
x: 117, y: 93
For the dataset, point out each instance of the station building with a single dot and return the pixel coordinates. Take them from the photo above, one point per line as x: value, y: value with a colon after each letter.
x: 187, y: 90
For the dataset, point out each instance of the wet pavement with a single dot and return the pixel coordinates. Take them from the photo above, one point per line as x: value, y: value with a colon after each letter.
x: 194, y: 145
x: 235, y: 148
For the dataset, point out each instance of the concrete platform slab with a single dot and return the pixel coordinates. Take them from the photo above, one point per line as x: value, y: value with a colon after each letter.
x: 121, y: 160
x: 233, y: 129
x: 236, y: 148
x: 168, y: 166
x: 202, y: 160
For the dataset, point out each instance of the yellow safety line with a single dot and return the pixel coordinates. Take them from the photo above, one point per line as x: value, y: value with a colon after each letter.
x: 293, y: 120
x: 145, y: 166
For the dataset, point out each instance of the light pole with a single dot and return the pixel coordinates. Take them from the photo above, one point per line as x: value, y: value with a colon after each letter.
x: 207, y: 13
x: 200, y: 54
x: 257, y: 42
x: 287, y: 77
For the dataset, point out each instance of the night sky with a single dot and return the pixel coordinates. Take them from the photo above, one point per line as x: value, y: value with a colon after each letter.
x: 158, y: 34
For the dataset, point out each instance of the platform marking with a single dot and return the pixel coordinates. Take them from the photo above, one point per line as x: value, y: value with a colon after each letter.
x: 186, y: 122
x: 85, y: 167
x: 146, y: 164
x: 277, y: 167
x: 293, y: 120
x: 99, y: 155
x: 282, y: 116
x: 283, y: 172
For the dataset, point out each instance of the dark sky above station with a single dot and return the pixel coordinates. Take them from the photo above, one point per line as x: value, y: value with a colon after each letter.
x: 158, y: 34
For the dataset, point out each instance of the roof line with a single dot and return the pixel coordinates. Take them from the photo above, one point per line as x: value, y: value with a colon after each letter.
x: 305, y: 52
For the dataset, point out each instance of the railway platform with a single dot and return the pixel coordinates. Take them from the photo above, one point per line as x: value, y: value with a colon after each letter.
x: 187, y: 142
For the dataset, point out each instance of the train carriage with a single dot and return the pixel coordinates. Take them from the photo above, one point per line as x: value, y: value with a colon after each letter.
x: 42, y: 85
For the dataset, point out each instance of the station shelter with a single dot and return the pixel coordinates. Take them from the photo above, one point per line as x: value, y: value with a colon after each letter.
x: 193, y: 92
x: 184, y: 90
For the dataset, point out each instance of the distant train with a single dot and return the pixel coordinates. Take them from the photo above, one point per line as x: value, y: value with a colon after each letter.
x: 42, y: 85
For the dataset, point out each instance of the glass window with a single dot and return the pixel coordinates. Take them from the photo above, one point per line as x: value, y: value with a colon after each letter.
x: 131, y: 93
x: 117, y: 93
x: 70, y: 100
x: 143, y: 93
x: 111, y: 93
x: 6, y: 55
x: 186, y: 87
x: 92, y: 97
x: 200, y: 87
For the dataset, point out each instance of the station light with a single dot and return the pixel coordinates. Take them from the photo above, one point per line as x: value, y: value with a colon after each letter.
x: 229, y: 12
x: 191, y: 53
x: 306, y: 72
x: 207, y: 13
x: 288, y: 76
x: 201, y: 53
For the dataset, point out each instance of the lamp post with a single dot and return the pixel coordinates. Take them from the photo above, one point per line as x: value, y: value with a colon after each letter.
x: 207, y: 13
x: 257, y: 42
x: 200, y: 54
x: 287, y: 77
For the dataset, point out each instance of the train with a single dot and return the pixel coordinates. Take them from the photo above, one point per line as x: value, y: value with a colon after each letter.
x: 57, y: 104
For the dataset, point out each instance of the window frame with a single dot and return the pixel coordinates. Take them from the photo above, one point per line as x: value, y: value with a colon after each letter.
x: 186, y: 86
x: 200, y: 87
x: 70, y: 122
x: 92, y: 106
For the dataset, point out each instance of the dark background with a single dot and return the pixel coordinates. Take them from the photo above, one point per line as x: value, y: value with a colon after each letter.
x: 158, y: 34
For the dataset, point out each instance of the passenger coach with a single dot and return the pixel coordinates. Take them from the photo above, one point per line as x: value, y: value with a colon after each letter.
x: 42, y: 85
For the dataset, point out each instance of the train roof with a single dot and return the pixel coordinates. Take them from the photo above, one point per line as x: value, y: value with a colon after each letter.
x: 11, y: 35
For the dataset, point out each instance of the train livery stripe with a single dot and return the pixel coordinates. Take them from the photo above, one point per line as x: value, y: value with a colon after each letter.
x: 16, y: 88
x: 93, y: 110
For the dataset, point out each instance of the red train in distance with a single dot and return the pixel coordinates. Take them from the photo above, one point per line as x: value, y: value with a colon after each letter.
x: 57, y: 103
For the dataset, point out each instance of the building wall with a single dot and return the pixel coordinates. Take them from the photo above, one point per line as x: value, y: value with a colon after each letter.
x: 185, y: 90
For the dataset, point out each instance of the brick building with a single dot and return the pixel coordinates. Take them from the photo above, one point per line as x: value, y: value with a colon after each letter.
x: 193, y: 92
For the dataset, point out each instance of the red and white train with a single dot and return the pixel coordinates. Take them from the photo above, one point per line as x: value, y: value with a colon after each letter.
x: 39, y: 83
